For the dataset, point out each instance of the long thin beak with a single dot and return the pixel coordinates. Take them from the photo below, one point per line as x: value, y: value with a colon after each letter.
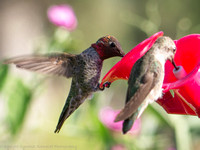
x: 173, y: 63
x: 122, y: 53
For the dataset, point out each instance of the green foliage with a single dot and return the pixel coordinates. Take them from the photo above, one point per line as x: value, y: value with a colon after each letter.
x: 62, y: 41
x: 3, y: 75
x: 97, y: 129
x: 18, y: 100
x: 172, y: 93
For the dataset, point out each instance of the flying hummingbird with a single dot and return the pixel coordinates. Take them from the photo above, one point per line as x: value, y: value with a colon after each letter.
x: 146, y: 80
x: 84, y: 68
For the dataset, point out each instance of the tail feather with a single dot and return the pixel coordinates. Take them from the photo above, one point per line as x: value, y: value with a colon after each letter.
x: 66, y: 112
x: 59, y: 126
x: 129, y: 122
x: 68, y: 109
x: 64, y: 115
x: 127, y: 125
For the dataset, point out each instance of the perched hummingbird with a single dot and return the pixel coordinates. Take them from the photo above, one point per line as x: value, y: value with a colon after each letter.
x: 146, y: 80
x: 84, y: 68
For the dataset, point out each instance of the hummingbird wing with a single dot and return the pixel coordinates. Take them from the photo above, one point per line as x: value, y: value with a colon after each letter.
x: 56, y: 63
x: 140, y: 93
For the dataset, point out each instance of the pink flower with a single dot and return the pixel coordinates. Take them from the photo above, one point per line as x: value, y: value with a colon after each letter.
x: 62, y: 15
x: 107, y: 117
x: 118, y: 147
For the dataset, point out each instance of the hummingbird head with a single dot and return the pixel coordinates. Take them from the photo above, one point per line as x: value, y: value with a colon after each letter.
x: 167, y: 46
x: 108, y: 46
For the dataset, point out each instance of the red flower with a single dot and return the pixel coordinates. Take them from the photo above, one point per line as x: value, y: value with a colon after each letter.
x: 185, y: 99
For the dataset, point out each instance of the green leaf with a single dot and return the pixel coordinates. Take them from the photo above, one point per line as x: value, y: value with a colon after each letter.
x: 3, y: 74
x: 19, y: 97
x: 172, y: 93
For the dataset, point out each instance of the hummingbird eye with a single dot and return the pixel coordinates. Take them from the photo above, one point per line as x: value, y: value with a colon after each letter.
x: 112, y: 44
x: 174, y: 49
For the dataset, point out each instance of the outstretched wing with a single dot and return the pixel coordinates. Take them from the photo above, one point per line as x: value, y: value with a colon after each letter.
x: 56, y: 63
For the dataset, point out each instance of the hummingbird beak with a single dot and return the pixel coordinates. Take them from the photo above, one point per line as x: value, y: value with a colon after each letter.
x: 122, y: 54
x: 173, y: 63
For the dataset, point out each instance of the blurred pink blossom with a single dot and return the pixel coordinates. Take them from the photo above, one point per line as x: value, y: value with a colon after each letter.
x: 62, y: 15
x: 118, y: 147
x: 107, y: 117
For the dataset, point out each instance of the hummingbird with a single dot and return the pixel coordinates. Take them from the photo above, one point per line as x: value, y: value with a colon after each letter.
x: 84, y: 69
x: 146, y: 80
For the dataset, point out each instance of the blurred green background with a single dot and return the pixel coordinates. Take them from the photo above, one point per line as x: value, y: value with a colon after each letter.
x: 30, y: 103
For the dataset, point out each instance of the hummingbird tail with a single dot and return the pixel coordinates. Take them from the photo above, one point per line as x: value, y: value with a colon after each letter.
x: 128, y: 123
x: 70, y: 106
x: 63, y: 116
x: 59, y: 126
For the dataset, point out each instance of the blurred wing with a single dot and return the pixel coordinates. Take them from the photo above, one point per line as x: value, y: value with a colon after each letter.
x: 57, y: 63
x: 138, y: 97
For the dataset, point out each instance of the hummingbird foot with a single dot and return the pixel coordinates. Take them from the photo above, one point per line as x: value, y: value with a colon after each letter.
x: 101, y: 89
x: 106, y: 84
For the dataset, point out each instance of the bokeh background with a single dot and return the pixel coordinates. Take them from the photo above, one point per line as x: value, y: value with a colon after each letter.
x: 30, y: 103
